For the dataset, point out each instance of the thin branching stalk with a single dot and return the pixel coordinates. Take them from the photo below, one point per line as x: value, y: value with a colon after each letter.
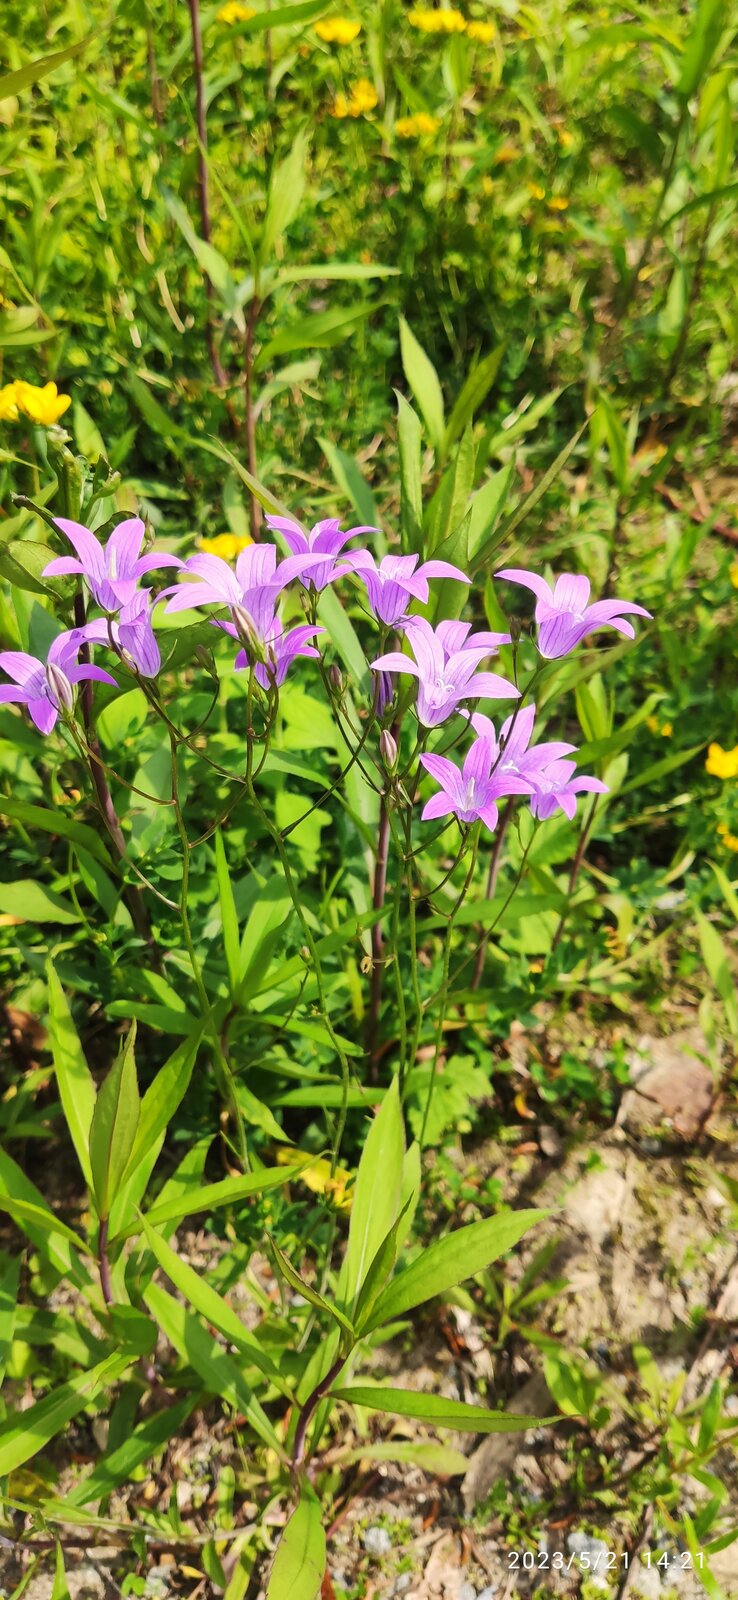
x: 494, y: 868
x: 443, y: 991
x: 248, y: 372
x: 222, y: 1064
x: 219, y: 372
x: 312, y: 1402
x: 104, y: 1262
x: 576, y: 868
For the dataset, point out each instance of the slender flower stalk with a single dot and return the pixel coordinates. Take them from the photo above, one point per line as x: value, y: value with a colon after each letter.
x: 443, y: 991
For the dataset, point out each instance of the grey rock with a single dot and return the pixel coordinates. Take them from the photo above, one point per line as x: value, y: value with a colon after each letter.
x: 402, y: 1583
x: 377, y: 1542
x: 467, y: 1592
x: 489, y: 1593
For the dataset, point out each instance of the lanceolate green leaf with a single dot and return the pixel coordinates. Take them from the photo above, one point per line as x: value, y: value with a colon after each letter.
x: 299, y: 1564
x: 216, y: 1369
x: 16, y: 1187
x: 25, y: 77
x: 423, y: 380
x: 22, y: 1437
x: 209, y: 1196
x: 295, y: 1281
x: 9, y: 1280
x: 440, y: 1412
x: 211, y: 1305
x: 73, y: 1076
x: 456, y: 1257
x: 285, y: 193
x: 377, y: 1193
x: 113, y: 1127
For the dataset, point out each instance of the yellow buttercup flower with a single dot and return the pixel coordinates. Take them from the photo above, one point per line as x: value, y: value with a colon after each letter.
x: 422, y: 124
x: 44, y: 406
x: 729, y: 840
x: 363, y: 98
x: 557, y: 202
x: 734, y: 574
x: 226, y: 545
x: 445, y: 20
x: 483, y: 32
x: 565, y: 138
x: 234, y: 11
x: 318, y: 1178
x: 8, y: 403
x: 338, y: 30
x: 722, y: 763
x: 536, y: 191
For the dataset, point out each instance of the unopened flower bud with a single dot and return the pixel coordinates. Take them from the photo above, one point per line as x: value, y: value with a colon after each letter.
x: 206, y: 660
x: 516, y: 629
x: 388, y: 750
x: 248, y: 633
x: 60, y: 688
x: 335, y: 678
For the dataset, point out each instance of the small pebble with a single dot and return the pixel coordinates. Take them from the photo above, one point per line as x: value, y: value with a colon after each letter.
x: 489, y: 1593
x: 377, y: 1542
x: 467, y: 1592
x: 403, y: 1582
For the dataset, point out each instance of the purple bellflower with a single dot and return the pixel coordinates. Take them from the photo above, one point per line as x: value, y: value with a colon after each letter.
x: 250, y: 593
x: 444, y: 680
x: 395, y: 580
x: 512, y: 753
x: 320, y: 549
x: 113, y: 570
x: 131, y: 634
x: 564, y: 615
x: 46, y: 688
x: 471, y: 792
x: 456, y: 636
x: 557, y: 788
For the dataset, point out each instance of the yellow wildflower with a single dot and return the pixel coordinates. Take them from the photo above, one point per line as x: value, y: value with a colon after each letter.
x: 722, y: 827
x: 557, y: 202
x: 734, y: 574
x: 565, y: 138
x: 8, y: 403
x: 536, y: 191
x: 445, y: 20
x: 45, y: 405
x: 506, y: 152
x: 483, y: 32
x: 729, y: 840
x: 666, y: 730
x: 416, y: 127
x: 317, y: 1176
x: 652, y: 723
x: 722, y: 763
x: 226, y: 545
x: 338, y: 30
x: 363, y: 98
x: 234, y: 11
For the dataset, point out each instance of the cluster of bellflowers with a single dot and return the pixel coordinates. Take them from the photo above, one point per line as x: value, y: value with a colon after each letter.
x: 446, y: 661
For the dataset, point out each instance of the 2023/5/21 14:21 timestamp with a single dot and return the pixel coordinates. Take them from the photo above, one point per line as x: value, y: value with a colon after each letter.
x: 601, y: 1560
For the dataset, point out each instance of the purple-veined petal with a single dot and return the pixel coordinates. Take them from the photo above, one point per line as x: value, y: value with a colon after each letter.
x: 528, y: 580
x: 571, y: 592
x: 452, y: 635
x: 609, y: 610
x: 188, y: 596
x: 86, y: 674
x: 439, y: 805
x: 489, y: 686
x: 478, y: 760
x: 43, y: 714
x: 88, y: 548
x: 20, y: 666
x: 557, y: 635
x: 395, y: 661
x: 62, y: 567
x: 123, y: 548
x: 153, y: 560
x: 217, y: 574
x: 427, y: 649
x: 586, y: 785
x: 490, y: 816
x: 444, y: 771
x: 443, y: 569
x: 12, y: 693
x: 256, y: 566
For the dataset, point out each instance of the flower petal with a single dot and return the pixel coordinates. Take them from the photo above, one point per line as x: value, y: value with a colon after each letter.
x: 20, y: 666
x: 528, y: 580
x: 88, y: 548
x: 571, y: 592
x: 123, y: 547
x: 62, y: 567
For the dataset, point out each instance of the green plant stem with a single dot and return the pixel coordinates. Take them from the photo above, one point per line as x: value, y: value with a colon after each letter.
x: 276, y: 837
x: 413, y: 924
x: 219, y: 372
x: 443, y: 991
x: 576, y: 867
x: 312, y: 1402
x: 104, y: 1262
x: 494, y: 867
x: 222, y: 1063
x: 255, y: 513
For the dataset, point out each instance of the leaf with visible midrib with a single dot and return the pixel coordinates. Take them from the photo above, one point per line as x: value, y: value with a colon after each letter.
x: 73, y: 1076
x: 460, y: 1255
x: 299, y: 1564
x: 113, y: 1127
x: 441, y: 1412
